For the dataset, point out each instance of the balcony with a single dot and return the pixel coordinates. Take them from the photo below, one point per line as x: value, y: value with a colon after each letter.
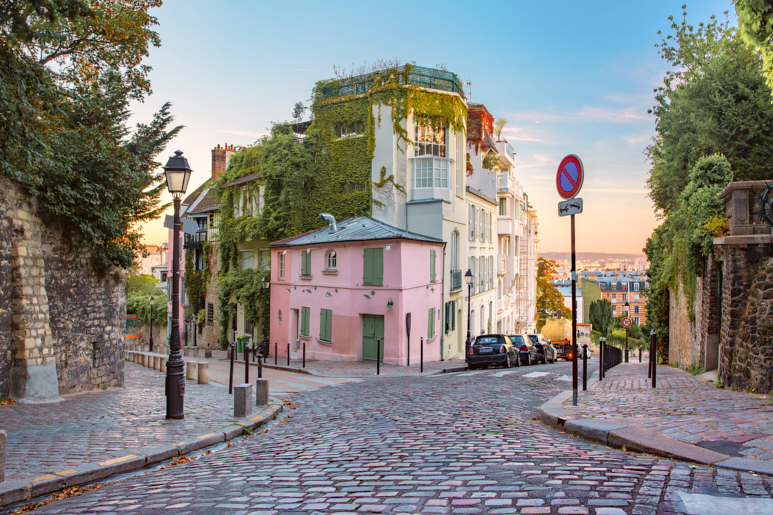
x: 195, y: 241
x: 505, y: 226
x: 456, y: 280
x: 502, y: 269
x: 505, y: 183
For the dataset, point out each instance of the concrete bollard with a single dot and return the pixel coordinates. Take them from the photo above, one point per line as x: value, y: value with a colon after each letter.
x: 3, y: 439
x: 196, y: 352
x: 186, y: 351
x: 243, y: 400
x: 203, y: 372
x: 163, y: 364
x: 156, y: 362
x: 261, y: 392
x: 190, y: 368
x: 144, y: 359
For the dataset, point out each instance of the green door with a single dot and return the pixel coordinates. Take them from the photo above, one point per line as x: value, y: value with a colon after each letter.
x: 372, y: 328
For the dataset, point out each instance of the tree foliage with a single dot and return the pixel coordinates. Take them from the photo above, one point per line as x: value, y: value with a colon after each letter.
x: 714, y: 100
x: 550, y: 302
x: 755, y: 24
x: 151, y: 315
x: 68, y: 70
x: 141, y: 284
x: 601, y: 316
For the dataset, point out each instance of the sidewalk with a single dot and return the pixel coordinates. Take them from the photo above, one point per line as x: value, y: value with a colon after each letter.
x: 93, y: 435
x: 682, y: 418
x: 343, y: 369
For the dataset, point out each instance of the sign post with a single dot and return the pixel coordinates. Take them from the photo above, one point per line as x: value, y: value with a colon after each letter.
x: 569, y: 180
x: 626, y: 324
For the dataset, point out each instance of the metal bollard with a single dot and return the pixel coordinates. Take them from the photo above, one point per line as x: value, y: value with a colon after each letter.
x: 231, y: 375
x: 654, y: 359
x: 601, y: 358
x: 260, y: 366
x: 378, y: 356
x: 304, y: 354
x: 409, y: 349
x: 276, y: 356
x: 421, y: 355
x: 246, y: 364
x: 584, y: 367
x: 639, y: 353
x: 288, y: 354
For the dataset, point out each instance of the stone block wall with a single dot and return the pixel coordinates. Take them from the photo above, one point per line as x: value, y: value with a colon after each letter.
x: 66, y: 325
x: 211, y: 331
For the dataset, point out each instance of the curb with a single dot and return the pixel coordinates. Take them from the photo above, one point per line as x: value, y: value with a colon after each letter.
x: 618, y: 434
x: 314, y: 373
x: 14, y: 491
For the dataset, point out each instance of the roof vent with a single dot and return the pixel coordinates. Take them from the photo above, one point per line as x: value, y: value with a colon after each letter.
x: 330, y: 218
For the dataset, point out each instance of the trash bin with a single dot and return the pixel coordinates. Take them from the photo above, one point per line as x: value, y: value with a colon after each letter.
x: 241, y: 341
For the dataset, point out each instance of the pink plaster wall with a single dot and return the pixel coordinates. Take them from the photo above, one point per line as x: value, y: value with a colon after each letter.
x: 406, y: 282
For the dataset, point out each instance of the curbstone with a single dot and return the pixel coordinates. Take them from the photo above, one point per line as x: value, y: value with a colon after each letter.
x: 190, y: 370
x: 555, y: 416
x: 654, y: 442
x: 243, y: 400
x: 14, y: 491
x: 203, y: 372
x: 232, y: 431
x: 747, y: 465
x: 46, y: 484
x: 592, y: 429
x: 200, y: 442
x: 3, y: 453
x: 160, y: 453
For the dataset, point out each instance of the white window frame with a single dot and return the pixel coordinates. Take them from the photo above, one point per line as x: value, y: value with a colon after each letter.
x: 282, y: 266
x: 431, y: 172
x: 428, y: 143
x: 459, y: 164
x: 332, y: 260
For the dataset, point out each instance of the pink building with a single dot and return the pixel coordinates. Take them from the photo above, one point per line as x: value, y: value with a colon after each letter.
x: 340, y: 288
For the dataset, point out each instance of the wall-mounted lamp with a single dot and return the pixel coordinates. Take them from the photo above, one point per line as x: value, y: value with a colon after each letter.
x: 390, y: 303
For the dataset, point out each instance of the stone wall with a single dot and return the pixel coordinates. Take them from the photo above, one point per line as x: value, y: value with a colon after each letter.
x: 66, y: 326
x: 211, y: 331
x: 683, y: 344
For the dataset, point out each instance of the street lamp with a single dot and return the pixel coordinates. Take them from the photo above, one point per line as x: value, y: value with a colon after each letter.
x: 626, y: 307
x: 178, y: 173
x: 150, y: 343
x: 468, y: 280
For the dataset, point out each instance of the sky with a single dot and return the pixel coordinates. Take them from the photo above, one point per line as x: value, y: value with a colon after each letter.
x: 571, y: 77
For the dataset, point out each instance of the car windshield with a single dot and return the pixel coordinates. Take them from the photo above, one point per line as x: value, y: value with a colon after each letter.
x: 534, y: 338
x: 488, y: 340
x: 517, y: 339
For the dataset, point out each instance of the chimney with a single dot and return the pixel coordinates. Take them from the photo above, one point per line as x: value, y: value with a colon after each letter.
x: 220, y: 157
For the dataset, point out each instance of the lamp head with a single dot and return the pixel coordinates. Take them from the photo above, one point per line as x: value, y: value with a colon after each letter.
x: 178, y: 173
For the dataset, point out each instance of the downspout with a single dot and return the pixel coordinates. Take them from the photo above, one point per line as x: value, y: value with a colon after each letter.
x: 443, y: 304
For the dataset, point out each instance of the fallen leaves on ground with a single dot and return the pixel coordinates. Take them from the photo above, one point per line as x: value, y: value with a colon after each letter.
x: 69, y: 492
x: 6, y: 401
x: 290, y: 404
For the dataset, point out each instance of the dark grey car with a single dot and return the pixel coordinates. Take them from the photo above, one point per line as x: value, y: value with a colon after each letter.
x: 527, y: 351
x: 492, y: 349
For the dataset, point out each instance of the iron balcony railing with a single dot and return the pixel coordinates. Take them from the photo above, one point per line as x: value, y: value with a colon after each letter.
x: 418, y: 76
x: 195, y: 241
x: 456, y: 280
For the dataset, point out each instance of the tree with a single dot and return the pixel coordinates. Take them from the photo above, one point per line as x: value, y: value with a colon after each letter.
x: 499, y: 125
x: 298, y: 110
x: 715, y: 100
x: 550, y: 302
x: 755, y: 25
x: 141, y: 284
x: 601, y: 316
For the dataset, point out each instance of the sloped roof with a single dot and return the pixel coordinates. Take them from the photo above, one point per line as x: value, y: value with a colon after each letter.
x: 194, y: 195
x: 353, y: 229
x: 206, y: 202
x: 243, y: 180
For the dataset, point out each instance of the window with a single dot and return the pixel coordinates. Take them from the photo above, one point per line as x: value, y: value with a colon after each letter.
x: 482, y: 225
x: 636, y: 319
x: 503, y: 207
x: 349, y: 130
x: 636, y: 297
x: 326, y: 325
x: 373, y: 267
x: 281, y: 266
x: 432, y: 256
x: 431, y: 324
x: 430, y: 173
x: 306, y: 263
x: 430, y: 142
x: 332, y: 260
x: 472, y: 322
x: 264, y: 258
x: 636, y: 309
x: 635, y: 286
x: 450, y: 316
x: 473, y: 212
x: 248, y: 260
x: 625, y: 297
x: 614, y: 297
x: 454, y: 250
x: 164, y: 274
x: 210, y: 314
x: 491, y: 272
x: 482, y: 275
x: 490, y: 315
x: 305, y: 321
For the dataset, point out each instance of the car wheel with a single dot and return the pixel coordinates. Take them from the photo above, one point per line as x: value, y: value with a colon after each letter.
x: 507, y: 360
x: 544, y: 358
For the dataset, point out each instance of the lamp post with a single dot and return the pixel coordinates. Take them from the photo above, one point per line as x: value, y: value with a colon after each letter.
x: 468, y: 280
x: 178, y: 173
x: 150, y: 342
x: 626, y: 307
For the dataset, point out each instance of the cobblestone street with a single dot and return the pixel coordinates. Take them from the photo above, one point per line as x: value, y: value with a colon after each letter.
x: 453, y: 443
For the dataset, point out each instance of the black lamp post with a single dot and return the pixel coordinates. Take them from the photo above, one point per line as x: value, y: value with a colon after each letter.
x: 626, y: 308
x: 150, y: 342
x: 468, y: 279
x: 178, y: 173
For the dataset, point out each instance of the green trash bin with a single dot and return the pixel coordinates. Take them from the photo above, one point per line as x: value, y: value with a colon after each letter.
x: 241, y: 341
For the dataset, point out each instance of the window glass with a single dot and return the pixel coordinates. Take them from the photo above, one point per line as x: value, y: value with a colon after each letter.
x: 517, y: 339
x: 332, y: 260
x: 430, y: 142
x: 430, y: 173
x: 488, y: 339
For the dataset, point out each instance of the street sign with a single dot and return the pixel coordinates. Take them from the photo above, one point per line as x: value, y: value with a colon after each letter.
x: 570, y: 207
x: 626, y: 322
x: 570, y: 177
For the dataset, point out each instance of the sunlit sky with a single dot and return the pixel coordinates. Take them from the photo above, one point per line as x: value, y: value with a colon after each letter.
x: 571, y: 77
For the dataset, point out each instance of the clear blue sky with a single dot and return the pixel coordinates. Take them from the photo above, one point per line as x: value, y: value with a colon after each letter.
x: 570, y: 76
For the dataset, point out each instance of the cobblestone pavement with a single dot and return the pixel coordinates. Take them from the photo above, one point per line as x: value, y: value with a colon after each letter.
x: 682, y: 407
x: 463, y: 443
x: 368, y: 368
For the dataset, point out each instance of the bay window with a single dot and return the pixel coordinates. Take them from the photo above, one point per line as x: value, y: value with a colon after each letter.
x: 430, y: 166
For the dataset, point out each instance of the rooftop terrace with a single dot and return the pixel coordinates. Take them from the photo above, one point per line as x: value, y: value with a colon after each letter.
x: 417, y: 76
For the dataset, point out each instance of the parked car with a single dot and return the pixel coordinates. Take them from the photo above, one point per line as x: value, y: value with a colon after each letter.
x: 545, y: 350
x: 492, y: 349
x: 527, y: 351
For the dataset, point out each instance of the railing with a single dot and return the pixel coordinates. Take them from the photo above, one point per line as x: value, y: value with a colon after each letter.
x: 195, y: 241
x: 504, y: 182
x: 418, y: 76
x: 456, y: 280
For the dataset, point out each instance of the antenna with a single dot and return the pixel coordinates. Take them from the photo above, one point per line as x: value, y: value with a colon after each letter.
x: 469, y: 90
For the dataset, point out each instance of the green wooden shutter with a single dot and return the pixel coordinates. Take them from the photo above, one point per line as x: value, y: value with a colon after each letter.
x: 378, y: 267
x: 322, y: 322
x: 305, y: 312
x: 432, y: 265
x: 305, y: 263
x: 431, y: 324
x: 367, y: 267
x: 329, y: 325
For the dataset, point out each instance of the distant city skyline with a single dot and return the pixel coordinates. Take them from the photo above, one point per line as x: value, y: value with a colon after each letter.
x: 570, y: 77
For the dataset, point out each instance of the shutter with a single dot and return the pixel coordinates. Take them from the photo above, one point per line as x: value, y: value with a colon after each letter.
x: 367, y: 272
x: 322, y: 322
x: 432, y: 265
x: 329, y: 325
x: 453, y: 316
x: 378, y: 267
x: 432, y: 323
x: 305, y: 312
x: 429, y: 324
